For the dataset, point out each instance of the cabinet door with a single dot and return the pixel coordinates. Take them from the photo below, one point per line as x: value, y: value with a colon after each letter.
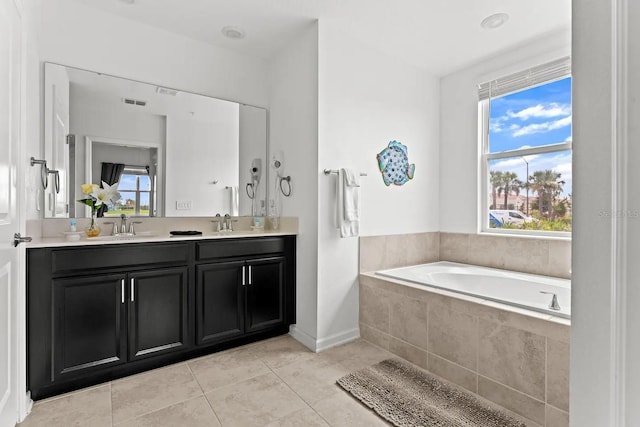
x: 265, y: 293
x: 89, y: 327
x: 220, y: 302
x: 158, y: 318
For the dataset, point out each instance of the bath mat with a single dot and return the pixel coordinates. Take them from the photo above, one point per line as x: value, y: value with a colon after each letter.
x: 406, y: 396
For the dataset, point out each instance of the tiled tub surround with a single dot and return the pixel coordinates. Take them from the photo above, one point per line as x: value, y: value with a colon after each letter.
x: 547, y: 257
x: 513, y: 357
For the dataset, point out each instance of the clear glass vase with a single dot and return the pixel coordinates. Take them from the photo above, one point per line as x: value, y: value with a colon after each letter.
x: 92, y: 230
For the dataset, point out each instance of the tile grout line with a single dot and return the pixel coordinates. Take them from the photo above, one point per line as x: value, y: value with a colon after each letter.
x: 156, y: 410
x: 164, y: 407
x: 477, y: 371
x: 195, y: 378
x: 300, y: 397
x: 111, y: 401
x: 546, y: 376
x: 232, y: 383
x: 203, y: 393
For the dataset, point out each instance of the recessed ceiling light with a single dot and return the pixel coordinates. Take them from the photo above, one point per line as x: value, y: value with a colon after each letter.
x: 235, y: 33
x: 494, y: 21
x: 128, y: 1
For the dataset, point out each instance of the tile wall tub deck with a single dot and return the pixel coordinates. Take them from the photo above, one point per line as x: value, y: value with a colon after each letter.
x: 547, y: 257
x: 514, y: 357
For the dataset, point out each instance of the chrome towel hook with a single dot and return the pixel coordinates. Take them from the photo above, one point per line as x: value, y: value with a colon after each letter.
x: 44, y: 171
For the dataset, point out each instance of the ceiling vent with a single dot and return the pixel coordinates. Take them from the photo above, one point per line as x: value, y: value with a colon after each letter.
x: 132, y: 101
x: 166, y: 91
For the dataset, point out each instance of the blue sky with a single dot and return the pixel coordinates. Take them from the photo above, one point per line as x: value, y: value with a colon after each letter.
x: 531, y: 118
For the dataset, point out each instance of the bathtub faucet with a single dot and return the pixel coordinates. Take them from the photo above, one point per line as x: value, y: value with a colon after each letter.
x: 553, y: 305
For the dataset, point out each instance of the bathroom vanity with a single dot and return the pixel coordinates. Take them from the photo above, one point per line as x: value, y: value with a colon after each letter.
x: 99, y: 312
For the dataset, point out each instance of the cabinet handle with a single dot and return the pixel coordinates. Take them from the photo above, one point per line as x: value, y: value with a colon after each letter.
x: 122, y: 290
x: 249, y: 274
x: 132, y: 290
x: 243, y: 276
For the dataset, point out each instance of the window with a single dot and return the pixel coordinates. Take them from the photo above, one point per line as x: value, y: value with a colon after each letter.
x: 525, y: 122
x: 136, y: 188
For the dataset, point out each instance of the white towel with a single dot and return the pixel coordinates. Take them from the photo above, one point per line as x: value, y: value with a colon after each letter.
x: 351, y: 195
x: 233, y: 200
x: 347, y: 197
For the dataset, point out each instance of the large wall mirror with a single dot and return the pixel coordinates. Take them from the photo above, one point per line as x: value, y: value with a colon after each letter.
x: 173, y: 153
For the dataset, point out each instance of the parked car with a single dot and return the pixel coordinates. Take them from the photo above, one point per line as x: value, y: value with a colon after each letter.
x: 500, y: 217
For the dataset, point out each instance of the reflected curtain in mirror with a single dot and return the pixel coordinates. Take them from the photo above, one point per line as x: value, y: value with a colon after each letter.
x: 110, y: 173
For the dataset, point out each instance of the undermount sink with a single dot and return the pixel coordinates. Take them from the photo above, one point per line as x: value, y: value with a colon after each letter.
x: 124, y: 236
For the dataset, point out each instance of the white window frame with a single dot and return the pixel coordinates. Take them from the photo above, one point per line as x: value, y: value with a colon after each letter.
x: 485, y: 157
x: 138, y: 172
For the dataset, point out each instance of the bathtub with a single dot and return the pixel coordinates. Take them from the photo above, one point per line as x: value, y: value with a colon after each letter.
x: 508, y: 287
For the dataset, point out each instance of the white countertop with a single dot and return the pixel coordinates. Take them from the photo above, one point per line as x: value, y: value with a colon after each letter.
x: 54, y: 232
x: 149, y: 237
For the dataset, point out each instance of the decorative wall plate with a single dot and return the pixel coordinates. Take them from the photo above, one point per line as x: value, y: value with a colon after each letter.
x: 393, y: 163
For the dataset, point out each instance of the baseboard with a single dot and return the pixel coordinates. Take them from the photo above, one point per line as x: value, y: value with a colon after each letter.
x: 337, y: 339
x: 317, y: 345
x: 302, y: 337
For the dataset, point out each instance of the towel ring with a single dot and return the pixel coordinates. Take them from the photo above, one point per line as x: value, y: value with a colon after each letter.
x: 56, y: 181
x: 44, y: 171
x: 251, y: 192
x: 287, y: 179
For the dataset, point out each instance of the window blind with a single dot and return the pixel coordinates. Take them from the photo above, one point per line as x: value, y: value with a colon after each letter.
x: 534, y: 76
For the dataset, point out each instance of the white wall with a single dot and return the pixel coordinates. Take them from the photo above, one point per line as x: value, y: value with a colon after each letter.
x: 199, y: 151
x: 459, y: 126
x: 368, y: 99
x: 294, y: 130
x: 76, y: 35
x: 253, y: 134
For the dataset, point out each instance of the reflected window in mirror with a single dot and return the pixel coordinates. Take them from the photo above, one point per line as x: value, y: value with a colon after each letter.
x: 136, y: 188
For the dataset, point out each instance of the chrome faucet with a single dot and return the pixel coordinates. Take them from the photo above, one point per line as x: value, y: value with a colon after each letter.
x: 218, y: 220
x: 553, y: 305
x: 227, y: 222
x: 132, y: 229
x: 123, y: 223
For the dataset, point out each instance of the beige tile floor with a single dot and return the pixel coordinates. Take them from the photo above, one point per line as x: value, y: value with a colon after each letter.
x: 277, y: 382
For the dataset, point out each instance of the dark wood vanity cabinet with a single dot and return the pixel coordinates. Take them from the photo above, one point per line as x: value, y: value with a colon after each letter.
x: 96, y: 313
x: 108, y: 319
x: 88, y: 326
x: 238, y: 297
x: 158, y: 311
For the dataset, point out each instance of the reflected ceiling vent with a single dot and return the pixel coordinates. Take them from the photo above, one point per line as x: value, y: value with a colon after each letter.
x: 132, y: 101
x: 166, y: 91
x: 234, y: 33
x: 494, y: 21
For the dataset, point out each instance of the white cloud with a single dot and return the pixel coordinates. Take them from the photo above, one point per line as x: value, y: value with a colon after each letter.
x: 541, y: 111
x: 543, y: 127
x: 506, y: 164
x: 496, y: 126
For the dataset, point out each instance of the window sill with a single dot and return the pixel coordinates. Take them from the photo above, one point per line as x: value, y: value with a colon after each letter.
x: 541, y: 235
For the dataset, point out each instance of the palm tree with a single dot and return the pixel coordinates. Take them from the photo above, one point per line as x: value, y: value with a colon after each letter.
x: 548, y: 185
x: 495, y: 179
x: 509, y: 183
